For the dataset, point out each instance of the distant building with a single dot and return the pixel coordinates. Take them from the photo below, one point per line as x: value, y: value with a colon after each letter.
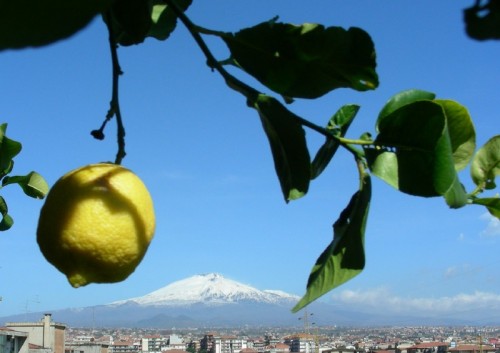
x: 174, y: 343
x: 342, y: 350
x: 302, y: 342
x: 106, y: 339
x: 402, y: 346
x: 125, y: 347
x: 277, y: 348
x: 153, y: 343
x: 194, y: 345
x: 87, y: 347
x: 248, y: 350
x: 43, y: 336
x: 229, y: 344
x: 428, y: 347
x: 472, y: 348
x: 207, y: 343
x: 12, y: 341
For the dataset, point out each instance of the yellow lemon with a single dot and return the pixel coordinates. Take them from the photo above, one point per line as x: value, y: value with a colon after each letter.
x: 96, y: 224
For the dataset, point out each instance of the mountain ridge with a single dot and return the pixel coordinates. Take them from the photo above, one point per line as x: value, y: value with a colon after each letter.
x: 211, y: 289
x: 212, y: 301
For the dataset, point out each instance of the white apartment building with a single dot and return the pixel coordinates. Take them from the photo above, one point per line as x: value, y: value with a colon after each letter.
x: 153, y: 343
x: 302, y: 342
x: 174, y: 342
x: 228, y: 344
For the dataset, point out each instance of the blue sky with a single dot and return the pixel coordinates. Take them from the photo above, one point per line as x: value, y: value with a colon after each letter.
x: 207, y: 163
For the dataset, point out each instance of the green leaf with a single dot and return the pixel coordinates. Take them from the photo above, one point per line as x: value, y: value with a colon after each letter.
x: 401, y: 99
x: 3, y: 206
x: 338, y: 125
x: 305, y: 61
x: 485, y: 165
x: 33, y: 184
x: 288, y: 146
x: 25, y: 23
x: 164, y: 19
x: 413, y: 153
x: 7, y: 220
x: 456, y: 195
x: 8, y: 150
x: 132, y: 21
x: 344, y: 258
x: 491, y: 203
x: 6, y: 223
x: 461, y: 130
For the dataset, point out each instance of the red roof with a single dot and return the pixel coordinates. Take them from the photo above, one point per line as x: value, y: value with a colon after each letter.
x: 425, y: 345
x: 472, y: 347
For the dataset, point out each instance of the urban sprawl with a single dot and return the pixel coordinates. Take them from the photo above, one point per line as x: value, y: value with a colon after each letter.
x: 47, y: 336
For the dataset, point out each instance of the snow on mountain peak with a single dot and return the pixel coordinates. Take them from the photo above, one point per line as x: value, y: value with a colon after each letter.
x: 210, y: 288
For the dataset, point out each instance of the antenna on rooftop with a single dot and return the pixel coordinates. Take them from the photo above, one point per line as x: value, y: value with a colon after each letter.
x: 26, y: 305
x: 307, y: 329
x: 305, y: 319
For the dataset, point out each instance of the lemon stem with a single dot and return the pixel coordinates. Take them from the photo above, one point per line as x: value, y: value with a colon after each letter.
x: 114, y: 105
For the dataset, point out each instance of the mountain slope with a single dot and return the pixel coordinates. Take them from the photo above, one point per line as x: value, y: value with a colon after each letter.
x: 208, y: 300
x: 209, y: 289
x: 211, y: 301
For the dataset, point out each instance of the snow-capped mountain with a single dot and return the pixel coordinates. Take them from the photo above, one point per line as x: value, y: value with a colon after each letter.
x: 209, y: 289
x: 207, y: 300
x: 211, y: 301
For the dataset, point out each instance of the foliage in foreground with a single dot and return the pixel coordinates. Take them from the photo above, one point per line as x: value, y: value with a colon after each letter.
x: 419, y: 145
x: 32, y: 184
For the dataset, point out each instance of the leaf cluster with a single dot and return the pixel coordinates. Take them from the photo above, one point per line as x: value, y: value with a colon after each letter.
x: 32, y: 184
x: 421, y: 144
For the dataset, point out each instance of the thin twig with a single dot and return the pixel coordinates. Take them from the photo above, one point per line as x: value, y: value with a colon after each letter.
x: 114, y: 104
x: 249, y: 92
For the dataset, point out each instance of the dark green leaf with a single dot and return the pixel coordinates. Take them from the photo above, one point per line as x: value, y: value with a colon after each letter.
x: 33, y: 184
x: 344, y: 258
x: 129, y: 20
x: 6, y: 223
x: 164, y: 19
x: 305, y: 61
x: 3, y: 206
x: 483, y: 21
x: 485, y: 165
x: 288, y: 146
x: 324, y: 156
x: 7, y: 220
x: 461, y: 130
x: 25, y: 23
x: 491, y: 203
x: 413, y: 152
x: 338, y: 125
x: 403, y: 98
x: 132, y: 21
x: 8, y: 150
